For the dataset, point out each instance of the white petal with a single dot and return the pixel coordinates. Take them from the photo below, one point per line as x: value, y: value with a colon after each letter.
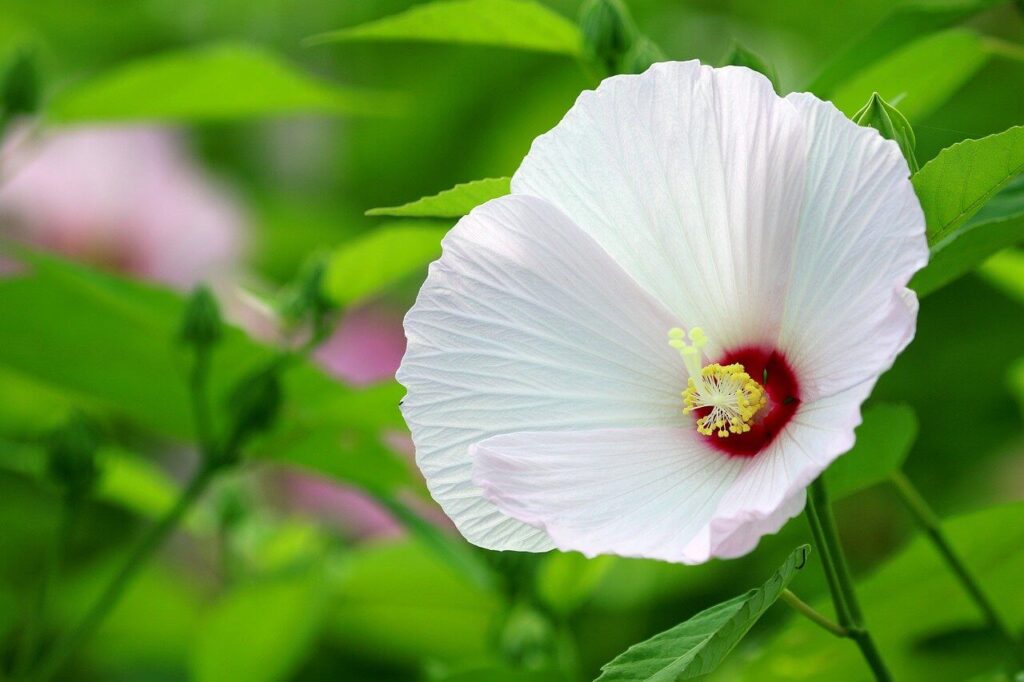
x: 525, y: 323
x: 861, y: 237
x: 692, y: 179
x: 632, y: 492
x: 770, y: 488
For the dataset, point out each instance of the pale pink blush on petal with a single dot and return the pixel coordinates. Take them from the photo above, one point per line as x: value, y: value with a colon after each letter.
x: 366, y: 347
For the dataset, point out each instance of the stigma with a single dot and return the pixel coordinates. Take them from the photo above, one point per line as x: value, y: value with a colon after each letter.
x: 725, y: 397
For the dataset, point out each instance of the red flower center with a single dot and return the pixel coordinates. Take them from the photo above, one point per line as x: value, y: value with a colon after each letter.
x: 770, y: 369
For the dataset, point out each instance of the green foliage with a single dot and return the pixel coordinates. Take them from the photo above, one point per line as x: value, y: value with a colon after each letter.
x: 608, y: 32
x: 210, y: 83
x: 1005, y: 270
x: 920, y: 77
x: 883, y: 442
x: 968, y: 248
x: 891, y: 124
x: 697, y: 646
x: 517, y: 24
x: 907, y: 22
x: 925, y: 625
x: 71, y: 461
x: 566, y: 580
x: 19, y: 86
x: 741, y: 56
x: 260, y: 631
x: 641, y: 56
x: 367, y: 265
x: 451, y: 203
x: 201, y: 325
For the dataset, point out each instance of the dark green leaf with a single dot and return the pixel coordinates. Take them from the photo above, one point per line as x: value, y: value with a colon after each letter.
x: 964, y: 251
x: 209, y: 83
x: 518, y: 24
x: 451, y: 203
x: 955, y: 184
x: 1005, y: 271
x: 367, y: 265
x: 907, y: 22
x: 697, y: 646
x: 883, y: 442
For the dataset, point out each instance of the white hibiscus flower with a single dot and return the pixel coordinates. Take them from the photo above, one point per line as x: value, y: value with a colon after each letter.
x: 555, y: 399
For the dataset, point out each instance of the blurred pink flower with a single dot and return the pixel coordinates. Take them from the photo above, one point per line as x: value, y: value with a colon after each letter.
x: 126, y: 198
x: 367, y: 346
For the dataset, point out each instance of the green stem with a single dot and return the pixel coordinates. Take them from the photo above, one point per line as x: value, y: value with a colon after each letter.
x: 932, y: 527
x: 826, y: 537
x: 808, y: 611
x: 50, y: 572
x: 147, y: 545
x: 199, y: 390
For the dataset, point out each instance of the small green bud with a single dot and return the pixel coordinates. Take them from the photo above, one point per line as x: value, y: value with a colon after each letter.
x: 741, y: 56
x: 20, y: 94
x: 71, y: 456
x: 305, y: 297
x: 255, y: 402
x: 608, y: 32
x: 201, y: 325
x: 641, y: 56
x: 528, y: 638
x: 892, y: 125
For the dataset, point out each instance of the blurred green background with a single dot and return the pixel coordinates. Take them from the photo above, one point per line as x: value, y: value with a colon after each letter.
x: 284, y: 571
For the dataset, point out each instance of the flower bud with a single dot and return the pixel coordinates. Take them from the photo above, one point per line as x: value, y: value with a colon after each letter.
x: 255, y: 403
x: 741, y: 56
x: 527, y: 638
x: 20, y: 86
x: 71, y: 456
x: 641, y: 56
x: 201, y: 324
x: 893, y: 125
x: 608, y: 32
x: 304, y: 297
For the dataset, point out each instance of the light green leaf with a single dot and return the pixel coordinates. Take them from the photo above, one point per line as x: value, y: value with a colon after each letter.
x: 369, y: 264
x: 261, y: 631
x: 111, y: 341
x: 883, y: 442
x: 566, y: 580
x: 956, y: 184
x: 919, y: 77
x: 697, y: 646
x: 966, y: 250
x: 209, y: 83
x: 451, y: 203
x: 1005, y: 271
x: 518, y: 24
x: 909, y: 21
x: 924, y: 623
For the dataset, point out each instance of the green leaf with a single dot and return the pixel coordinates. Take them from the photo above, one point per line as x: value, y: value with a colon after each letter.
x: 517, y: 24
x: 906, y: 23
x: 566, y: 580
x: 884, y: 440
x: 955, y: 184
x: 920, y: 77
x: 111, y: 341
x: 369, y: 264
x: 451, y: 203
x: 260, y: 631
x: 209, y: 83
x: 741, y: 56
x: 697, y: 646
x: 1005, y: 271
x: 924, y: 623
x: 967, y: 249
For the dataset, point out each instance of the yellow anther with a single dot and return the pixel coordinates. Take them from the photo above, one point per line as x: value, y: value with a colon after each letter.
x: 732, y: 396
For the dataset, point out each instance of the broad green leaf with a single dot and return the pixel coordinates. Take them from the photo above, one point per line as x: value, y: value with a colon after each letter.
x: 884, y: 440
x: 517, y: 24
x: 955, y: 184
x: 1005, y: 271
x: 451, y: 203
x: 260, y: 631
x: 919, y: 77
x: 925, y: 625
x: 111, y: 341
x: 909, y: 21
x: 966, y: 250
x: 399, y: 602
x: 209, y: 83
x: 368, y: 264
x: 697, y: 646
x: 566, y: 580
